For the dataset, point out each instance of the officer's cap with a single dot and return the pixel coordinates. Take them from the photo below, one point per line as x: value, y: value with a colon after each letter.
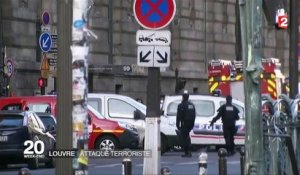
x: 185, y: 94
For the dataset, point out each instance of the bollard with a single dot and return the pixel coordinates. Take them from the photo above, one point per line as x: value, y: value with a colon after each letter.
x: 24, y: 171
x: 242, y: 160
x: 165, y: 171
x: 222, y: 161
x: 203, y: 163
x: 126, y: 166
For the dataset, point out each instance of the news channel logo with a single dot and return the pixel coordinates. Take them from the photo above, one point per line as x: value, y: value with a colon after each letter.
x: 34, y: 149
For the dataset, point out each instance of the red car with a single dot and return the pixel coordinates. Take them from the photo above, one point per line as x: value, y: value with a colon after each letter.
x: 103, y: 133
x: 109, y: 135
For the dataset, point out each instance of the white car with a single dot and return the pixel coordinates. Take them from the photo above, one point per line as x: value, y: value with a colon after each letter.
x: 126, y: 109
x: 206, y: 108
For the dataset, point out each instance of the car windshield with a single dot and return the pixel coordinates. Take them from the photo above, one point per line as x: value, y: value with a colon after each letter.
x: 204, y: 108
x: 95, y: 112
x: 137, y: 104
x: 11, y: 121
x: 40, y: 107
x: 47, y: 120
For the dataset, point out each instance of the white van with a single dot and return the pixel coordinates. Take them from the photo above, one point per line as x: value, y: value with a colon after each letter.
x: 206, y: 108
x: 123, y: 108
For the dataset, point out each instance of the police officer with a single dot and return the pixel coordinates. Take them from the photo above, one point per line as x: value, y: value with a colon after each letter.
x: 185, y: 122
x: 229, y: 114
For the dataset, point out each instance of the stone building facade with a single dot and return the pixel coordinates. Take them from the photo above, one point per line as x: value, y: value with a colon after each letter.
x: 201, y: 30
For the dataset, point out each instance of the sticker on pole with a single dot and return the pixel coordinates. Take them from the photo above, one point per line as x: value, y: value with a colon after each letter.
x: 154, y: 14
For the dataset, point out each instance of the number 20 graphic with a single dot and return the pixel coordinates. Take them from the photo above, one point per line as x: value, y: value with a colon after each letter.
x: 283, y: 22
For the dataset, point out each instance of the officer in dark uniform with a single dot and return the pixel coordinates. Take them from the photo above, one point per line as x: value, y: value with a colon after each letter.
x: 229, y: 114
x: 185, y: 120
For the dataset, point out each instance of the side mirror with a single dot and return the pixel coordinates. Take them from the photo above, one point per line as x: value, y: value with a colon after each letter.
x: 137, y: 115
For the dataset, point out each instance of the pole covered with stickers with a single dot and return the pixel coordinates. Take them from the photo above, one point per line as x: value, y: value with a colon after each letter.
x: 80, y: 49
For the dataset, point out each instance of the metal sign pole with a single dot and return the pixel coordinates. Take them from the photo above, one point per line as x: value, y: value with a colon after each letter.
x: 293, y: 51
x: 252, y: 87
x: 153, y: 52
x: 80, y: 49
x: 64, y: 84
x: 152, y: 132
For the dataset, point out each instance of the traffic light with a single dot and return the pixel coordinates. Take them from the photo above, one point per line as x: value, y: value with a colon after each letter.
x: 42, y: 82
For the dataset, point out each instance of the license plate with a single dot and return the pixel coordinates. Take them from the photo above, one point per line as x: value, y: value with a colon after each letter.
x: 3, y: 138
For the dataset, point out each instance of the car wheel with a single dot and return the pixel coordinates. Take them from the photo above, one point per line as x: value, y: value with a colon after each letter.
x: 33, y: 163
x: 50, y: 163
x: 107, y: 143
x: 163, y: 144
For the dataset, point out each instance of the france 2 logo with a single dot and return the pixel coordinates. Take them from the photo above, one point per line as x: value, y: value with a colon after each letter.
x: 281, y: 19
x: 283, y: 22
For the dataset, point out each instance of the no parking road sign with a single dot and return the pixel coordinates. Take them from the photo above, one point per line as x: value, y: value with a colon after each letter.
x: 154, y: 14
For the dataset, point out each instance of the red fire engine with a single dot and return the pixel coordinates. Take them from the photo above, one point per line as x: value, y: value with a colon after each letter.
x: 226, y: 78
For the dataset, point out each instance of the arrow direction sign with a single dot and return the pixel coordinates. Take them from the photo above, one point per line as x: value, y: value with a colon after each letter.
x: 45, y: 42
x: 161, y: 56
x: 164, y: 59
x: 145, y: 56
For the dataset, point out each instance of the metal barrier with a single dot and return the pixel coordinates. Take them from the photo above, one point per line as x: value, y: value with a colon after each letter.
x: 222, y: 161
x: 295, y: 110
x: 242, y: 160
x: 281, y: 132
x: 126, y: 166
x: 165, y: 171
x: 24, y: 171
x: 202, y: 163
x: 289, y: 146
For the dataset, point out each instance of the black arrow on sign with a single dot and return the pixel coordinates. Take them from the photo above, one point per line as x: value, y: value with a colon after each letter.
x: 163, y: 59
x: 143, y: 58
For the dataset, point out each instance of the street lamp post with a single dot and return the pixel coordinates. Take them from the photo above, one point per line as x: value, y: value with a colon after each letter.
x: 251, y: 24
x: 293, y: 52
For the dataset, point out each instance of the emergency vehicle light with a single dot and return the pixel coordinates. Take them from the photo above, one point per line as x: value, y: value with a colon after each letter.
x: 219, y: 62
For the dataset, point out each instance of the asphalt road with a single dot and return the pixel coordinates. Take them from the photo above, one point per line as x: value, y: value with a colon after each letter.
x: 172, y: 160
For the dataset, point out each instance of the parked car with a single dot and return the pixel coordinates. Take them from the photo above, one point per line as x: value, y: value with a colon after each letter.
x: 105, y: 132
x: 16, y: 127
x: 42, y: 104
x: 206, y: 108
x: 122, y: 108
x: 49, y: 122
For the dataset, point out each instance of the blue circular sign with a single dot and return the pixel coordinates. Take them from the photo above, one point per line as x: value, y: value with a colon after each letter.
x: 45, y: 42
x: 46, y: 18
